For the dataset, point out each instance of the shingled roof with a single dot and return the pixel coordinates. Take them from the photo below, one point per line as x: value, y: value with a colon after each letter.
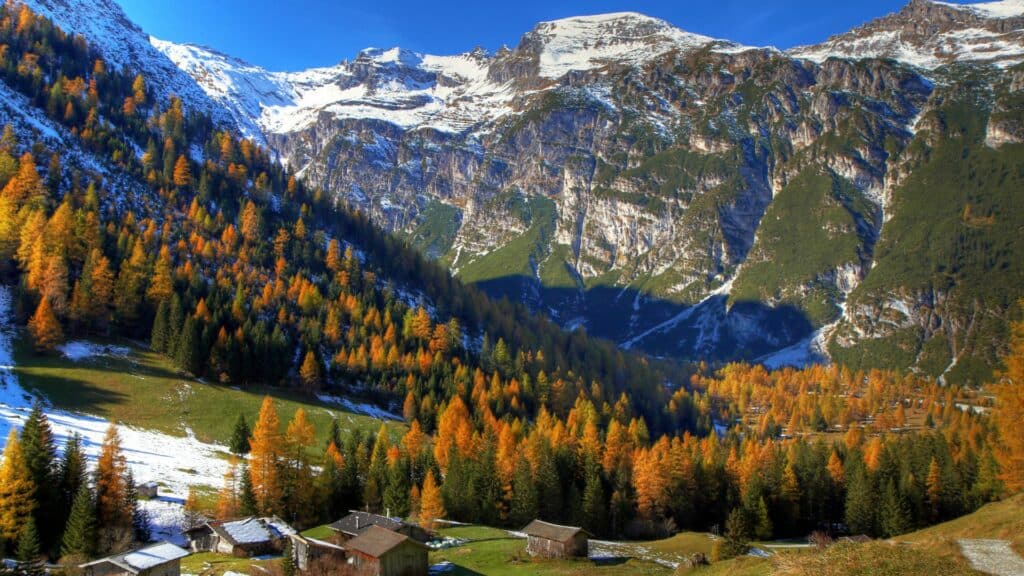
x: 376, y: 541
x: 357, y: 522
x: 548, y: 531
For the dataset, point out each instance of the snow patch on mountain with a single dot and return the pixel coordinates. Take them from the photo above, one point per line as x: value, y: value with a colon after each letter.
x: 451, y: 94
x: 929, y: 34
x: 1003, y: 9
x: 624, y: 38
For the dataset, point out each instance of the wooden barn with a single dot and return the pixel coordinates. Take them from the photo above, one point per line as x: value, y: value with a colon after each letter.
x: 382, y: 552
x: 553, y: 541
x: 313, y: 552
x: 163, y: 559
x: 246, y: 537
x: 356, y: 522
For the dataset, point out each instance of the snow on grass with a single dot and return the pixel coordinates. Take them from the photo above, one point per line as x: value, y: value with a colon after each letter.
x: 370, y: 410
x: 175, y: 463
x: 78, y: 350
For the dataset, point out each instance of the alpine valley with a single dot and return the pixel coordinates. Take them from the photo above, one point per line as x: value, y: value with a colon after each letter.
x: 857, y: 200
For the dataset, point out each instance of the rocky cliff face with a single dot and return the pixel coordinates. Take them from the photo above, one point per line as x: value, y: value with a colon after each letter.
x: 689, y: 196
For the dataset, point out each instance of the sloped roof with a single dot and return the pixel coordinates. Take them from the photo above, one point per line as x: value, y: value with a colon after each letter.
x: 144, y: 558
x: 376, y: 541
x: 357, y: 522
x: 318, y: 543
x: 252, y: 530
x: 549, y: 531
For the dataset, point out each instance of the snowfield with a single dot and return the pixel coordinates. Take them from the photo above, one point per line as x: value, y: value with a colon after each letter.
x: 174, y: 462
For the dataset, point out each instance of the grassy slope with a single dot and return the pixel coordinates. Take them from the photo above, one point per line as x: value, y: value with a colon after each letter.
x: 518, y: 256
x: 809, y: 229
x: 143, y: 390
x: 209, y: 564
x: 437, y: 229
x: 1000, y: 520
x: 493, y: 552
x: 954, y: 231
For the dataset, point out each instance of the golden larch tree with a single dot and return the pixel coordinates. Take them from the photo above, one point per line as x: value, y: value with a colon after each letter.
x: 266, y: 446
x: 1009, y: 413
x: 45, y: 328
x: 182, y: 173
x: 16, y: 490
x: 431, y: 503
x: 112, y: 509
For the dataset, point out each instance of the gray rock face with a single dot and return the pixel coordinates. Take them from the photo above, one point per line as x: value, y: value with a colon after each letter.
x: 682, y: 195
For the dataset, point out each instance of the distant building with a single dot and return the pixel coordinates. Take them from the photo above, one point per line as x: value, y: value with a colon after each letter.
x: 310, y: 551
x: 378, y: 551
x: 148, y: 490
x: 358, y: 522
x: 246, y: 537
x: 162, y: 559
x: 553, y: 541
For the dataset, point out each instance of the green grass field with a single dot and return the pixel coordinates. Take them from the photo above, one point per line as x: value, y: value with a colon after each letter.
x: 494, y: 552
x: 143, y: 390
x: 210, y: 564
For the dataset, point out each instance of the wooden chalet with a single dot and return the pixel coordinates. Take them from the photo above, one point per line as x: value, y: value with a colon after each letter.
x: 311, y: 551
x: 246, y: 537
x: 378, y: 551
x: 553, y: 541
x: 356, y: 522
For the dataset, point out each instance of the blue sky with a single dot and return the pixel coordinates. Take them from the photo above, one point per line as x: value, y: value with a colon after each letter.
x: 297, y: 34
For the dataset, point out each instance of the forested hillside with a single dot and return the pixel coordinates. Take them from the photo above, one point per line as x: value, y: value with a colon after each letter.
x: 166, y: 228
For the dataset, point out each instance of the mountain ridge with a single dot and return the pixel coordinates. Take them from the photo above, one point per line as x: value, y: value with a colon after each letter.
x: 623, y: 185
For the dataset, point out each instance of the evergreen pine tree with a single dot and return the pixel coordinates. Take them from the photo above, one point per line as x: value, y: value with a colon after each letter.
x: 247, y: 505
x: 30, y: 560
x: 396, y: 495
x: 894, y: 514
x: 40, y: 457
x: 72, y: 473
x: 159, y: 335
x: 523, y: 507
x: 762, y: 522
x: 488, y: 486
x: 175, y: 320
x: 860, y: 499
x: 737, y: 533
x: 239, y: 443
x: 187, y: 356
x: 594, y: 507
x: 80, y: 532
x: 549, y: 484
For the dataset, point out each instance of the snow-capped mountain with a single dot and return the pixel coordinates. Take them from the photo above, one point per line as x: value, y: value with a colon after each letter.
x: 929, y: 34
x: 653, y: 186
x: 413, y: 90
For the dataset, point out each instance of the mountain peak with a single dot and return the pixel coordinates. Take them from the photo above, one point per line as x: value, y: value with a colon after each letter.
x: 394, y: 55
x: 582, y: 43
x: 998, y: 9
x: 929, y: 34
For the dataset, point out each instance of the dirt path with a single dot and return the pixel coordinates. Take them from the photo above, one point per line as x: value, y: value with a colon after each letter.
x: 993, y: 557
